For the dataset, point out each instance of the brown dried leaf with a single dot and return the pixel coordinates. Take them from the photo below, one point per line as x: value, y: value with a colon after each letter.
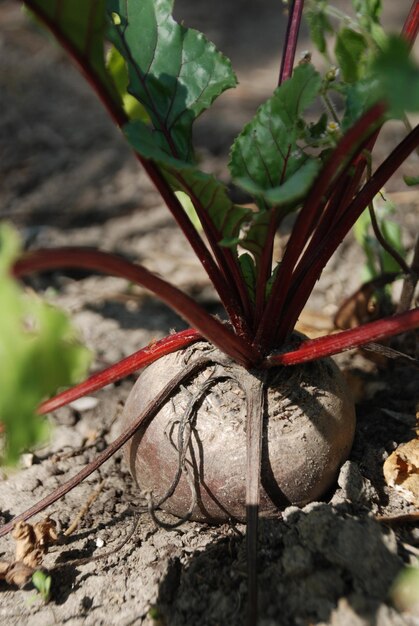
x: 34, y: 558
x: 357, y: 309
x: 19, y: 574
x: 45, y: 533
x: 401, y: 471
x: 24, y: 536
x: 4, y: 568
x: 32, y: 541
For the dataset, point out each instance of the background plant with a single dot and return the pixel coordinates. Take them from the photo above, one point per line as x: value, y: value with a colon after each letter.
x: 39, y: 354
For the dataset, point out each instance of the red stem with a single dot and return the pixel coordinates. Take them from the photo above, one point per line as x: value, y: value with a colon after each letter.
x: 307, y: 220
x: 149, y: 412
x: 225, y: 259
x: 291, y: 39
x: 123, y: 368
x: 265, y: 267
x: 120, y: 118
x: 345, y: 187
x: 212, y: 329
x: 346, y: 340
x: 227, y: 262
x: 307, y: 223
x: 411, y: 25
x: 305, y: 281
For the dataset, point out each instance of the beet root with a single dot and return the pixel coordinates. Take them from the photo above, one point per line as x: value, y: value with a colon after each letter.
x: 197, y: 441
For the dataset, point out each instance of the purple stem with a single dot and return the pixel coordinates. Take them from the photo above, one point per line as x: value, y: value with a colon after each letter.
x: 313, y: 349
x: 123, y: 368
x: 212, y: 329
x: 308, y: 218
x: 120, y: 118
x: 304, y: 282
x: 291, y: 39
x: 149, y: 412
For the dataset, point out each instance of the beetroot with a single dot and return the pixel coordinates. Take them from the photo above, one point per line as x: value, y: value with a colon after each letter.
x: 308, y: 428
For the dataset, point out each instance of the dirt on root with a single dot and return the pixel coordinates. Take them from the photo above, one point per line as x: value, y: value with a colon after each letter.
x: 68, y: 178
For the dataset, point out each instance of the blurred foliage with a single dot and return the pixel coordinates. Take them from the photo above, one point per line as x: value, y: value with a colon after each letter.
x: 39, y: 353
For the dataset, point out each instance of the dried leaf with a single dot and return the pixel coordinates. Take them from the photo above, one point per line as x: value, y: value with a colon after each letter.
x: 401, y: 471
x: 45, y: 532
x: 19, y: 574
x: 32, y: 541
x: 361, y: 307
x: 24, y: 535
x: 34, y: 558
x: 4, y: 568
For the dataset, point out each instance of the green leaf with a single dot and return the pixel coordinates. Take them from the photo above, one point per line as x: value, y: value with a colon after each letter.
x: 370, y: 9
x: 392, y: 77
x: 350, y: 49
x: 255, y: 233
x: 189, y: 209
x: 360, y: 97
x: 399, y: 77
x: 39, y: 354
x: 175, y: 72
x: 295, y: 189
x: 185, y: 177
x: 368, y: 13
x: 411, y: 180
x: 248, y: 270
x: 379, y: 260
x: 117, y: 68
x: 42, y: 582
x: 319, y: 25
x: 83, y: 24
x: 265, y: 155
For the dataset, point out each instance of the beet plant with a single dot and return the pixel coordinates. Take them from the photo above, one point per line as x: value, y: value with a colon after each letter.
x: 237, y: 418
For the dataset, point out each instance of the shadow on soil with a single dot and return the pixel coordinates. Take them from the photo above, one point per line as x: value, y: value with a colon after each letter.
x: 306, y: 564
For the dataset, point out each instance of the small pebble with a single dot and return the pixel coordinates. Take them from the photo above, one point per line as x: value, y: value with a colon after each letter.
x: 99, y: 542
x: 84, y: 404
x: 27, y: 459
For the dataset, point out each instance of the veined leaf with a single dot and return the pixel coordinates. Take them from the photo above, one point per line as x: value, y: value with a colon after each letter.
x: 255, y: 234
x: 319, y: 24
x: 182, y: 176
x: 83, y: 24
x: 360, y: 97
x: 175, y: 72
x: 248, y: 270
x: 117, y: 68
x: 350, y: 50
x: 399, y: 76
x: 294, y: 188
x: 265, y: 155
x: 393, y: 78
